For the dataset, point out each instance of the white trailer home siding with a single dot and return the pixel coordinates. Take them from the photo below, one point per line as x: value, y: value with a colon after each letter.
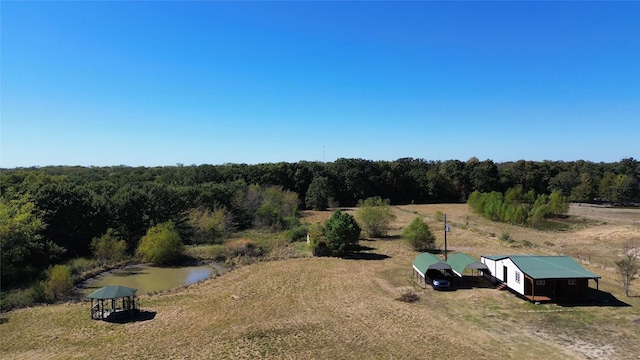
x: 541, y: 277
x: 503, y: 269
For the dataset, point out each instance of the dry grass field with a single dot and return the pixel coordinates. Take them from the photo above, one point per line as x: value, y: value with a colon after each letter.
x: 326, y: 308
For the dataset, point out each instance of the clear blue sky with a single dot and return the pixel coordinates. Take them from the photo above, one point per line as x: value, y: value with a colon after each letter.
x: 159, y: 83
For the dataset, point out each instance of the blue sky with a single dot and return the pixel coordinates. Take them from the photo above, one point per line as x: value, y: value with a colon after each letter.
x: 160, y: 83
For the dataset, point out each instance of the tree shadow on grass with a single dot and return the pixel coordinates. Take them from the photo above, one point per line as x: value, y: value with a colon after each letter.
x: 387, y: 237
x: 3, y: 320
x: 365, y: 256
x: 363, y: 248
x: 142, y: 315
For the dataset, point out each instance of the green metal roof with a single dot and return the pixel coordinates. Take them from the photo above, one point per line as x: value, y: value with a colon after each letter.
x: 112, y: 292
x: 548, y: 267
x: 426, y: 261
x: 459, y: 262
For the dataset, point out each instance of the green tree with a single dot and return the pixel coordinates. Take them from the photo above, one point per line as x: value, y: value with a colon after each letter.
x: 558, y: 203
x: 277, y: 205
x: 22, y: 247
x: 607, y: 187
x: 418, y: 235
x: 210, y: 227
x: 586, y: 190
x: 317, y: 196
x: 375, y: 215
x: 342, y: 233
x: 161, y: 244
x: 108, y: 247
x: 540, y: 210
x: 59, y: 284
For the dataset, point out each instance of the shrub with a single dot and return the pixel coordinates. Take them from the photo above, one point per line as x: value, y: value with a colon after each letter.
x: 506, y: 237
x: 22, y: 298
x: 80, y: 265
x: 317, y: 240
x: 375, y: 215
x: 218, y: 252
x: 210, y: 227
x: 59, y: 284
x: 342, y: 233
x: 298, y: 233
x: 418, y: 235
x: 108, y: 248
x: 161, y: 244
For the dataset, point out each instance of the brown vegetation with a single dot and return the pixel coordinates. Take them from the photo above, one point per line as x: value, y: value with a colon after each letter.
x: 329, y: 308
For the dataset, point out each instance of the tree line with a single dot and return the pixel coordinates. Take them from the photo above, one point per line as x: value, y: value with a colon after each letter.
x: 51, y: 214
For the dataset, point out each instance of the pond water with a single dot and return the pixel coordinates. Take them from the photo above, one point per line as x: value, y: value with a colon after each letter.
x: 149, y: 279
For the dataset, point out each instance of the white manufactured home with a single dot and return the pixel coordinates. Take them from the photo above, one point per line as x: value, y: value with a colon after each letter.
x: 540, y: 278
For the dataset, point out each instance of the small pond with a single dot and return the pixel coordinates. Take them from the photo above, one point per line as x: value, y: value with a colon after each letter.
x: 149, y: 279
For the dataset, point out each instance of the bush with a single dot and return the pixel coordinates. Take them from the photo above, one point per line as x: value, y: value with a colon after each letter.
x: 375, y: 215
x: 506, y: 237
x: 342, y: 233
x: 22, y: 298
x: 80, y: 265
x: 218, y: 252
x: 108, y: 248
x: 298, y: 233
x: 316, y: 236
x: 290, y: 222
x: 418, y: 235
x: 59, y: 284
x: 210, y: 227
x: 161, y: 244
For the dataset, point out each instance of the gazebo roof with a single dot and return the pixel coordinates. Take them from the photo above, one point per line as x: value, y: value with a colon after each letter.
x: 112, y: 292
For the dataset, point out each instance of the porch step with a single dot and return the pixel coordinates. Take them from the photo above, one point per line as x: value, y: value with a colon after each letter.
x: 502, y: 286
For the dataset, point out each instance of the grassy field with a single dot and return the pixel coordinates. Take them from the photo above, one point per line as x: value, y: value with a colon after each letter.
x: 325, y: 308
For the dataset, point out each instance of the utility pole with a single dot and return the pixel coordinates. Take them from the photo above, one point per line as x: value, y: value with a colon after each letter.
x: 446, y: 230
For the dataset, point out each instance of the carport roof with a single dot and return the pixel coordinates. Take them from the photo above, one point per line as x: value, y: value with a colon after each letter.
x: 460, y: 261
x: 428, y: 261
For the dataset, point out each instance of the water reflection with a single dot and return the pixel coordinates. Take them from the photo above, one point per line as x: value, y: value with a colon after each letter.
x: 149, y: 279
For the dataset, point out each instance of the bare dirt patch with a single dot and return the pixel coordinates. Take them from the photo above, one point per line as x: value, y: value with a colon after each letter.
x: 606, y: 213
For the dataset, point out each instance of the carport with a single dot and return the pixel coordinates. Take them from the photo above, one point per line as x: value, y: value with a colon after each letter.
x: 461, y: 262
x: 425, y: 262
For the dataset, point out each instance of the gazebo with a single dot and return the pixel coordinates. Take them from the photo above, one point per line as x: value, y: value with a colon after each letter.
x: 123, y: 302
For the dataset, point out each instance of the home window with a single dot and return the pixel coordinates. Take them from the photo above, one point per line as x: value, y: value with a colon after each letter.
x: 518, y: 277
x: 572, y: 281
x: 540, y: 282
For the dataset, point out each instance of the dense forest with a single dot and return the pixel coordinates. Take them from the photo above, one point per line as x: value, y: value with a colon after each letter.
x: 49, y: 215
